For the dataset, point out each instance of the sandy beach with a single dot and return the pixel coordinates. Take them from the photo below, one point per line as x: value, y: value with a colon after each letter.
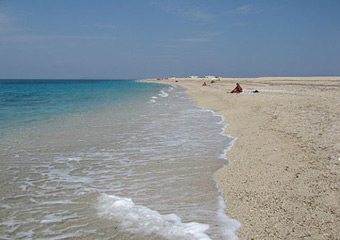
x: 283, y: 182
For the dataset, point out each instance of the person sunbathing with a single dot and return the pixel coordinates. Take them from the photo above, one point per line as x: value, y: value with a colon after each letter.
x: 237, y: 89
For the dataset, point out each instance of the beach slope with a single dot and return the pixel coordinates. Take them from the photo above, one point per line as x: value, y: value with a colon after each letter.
x: 283, y: 182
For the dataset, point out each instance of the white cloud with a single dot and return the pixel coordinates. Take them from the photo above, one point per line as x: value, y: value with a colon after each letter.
x: 180, y: 8
x: 9, y: 24
x: 242, y: 9
x: 5, y: 23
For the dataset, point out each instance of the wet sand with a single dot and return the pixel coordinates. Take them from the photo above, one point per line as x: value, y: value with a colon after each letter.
x: 283, y: 182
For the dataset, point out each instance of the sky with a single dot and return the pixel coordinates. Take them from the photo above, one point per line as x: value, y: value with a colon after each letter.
x: 135, y: 39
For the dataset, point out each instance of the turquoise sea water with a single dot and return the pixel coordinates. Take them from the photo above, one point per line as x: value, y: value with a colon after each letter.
x: 87, y: 159
x: 26, y: 101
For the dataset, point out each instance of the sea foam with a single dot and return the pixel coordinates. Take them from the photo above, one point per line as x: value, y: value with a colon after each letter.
x: 140, y: 219
x: 163, y: 94
x: 151, y: 153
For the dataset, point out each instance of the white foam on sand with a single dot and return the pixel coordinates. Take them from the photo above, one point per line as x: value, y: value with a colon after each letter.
x: 228, y: 225
x: 142, y: 220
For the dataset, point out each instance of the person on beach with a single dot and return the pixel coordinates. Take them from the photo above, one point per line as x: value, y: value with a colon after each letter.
x: 237, y: 89
x: 204, y: 84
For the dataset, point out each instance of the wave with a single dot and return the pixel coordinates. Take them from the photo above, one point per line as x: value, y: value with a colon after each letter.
x: 163, y: 94
x: 142, y: 220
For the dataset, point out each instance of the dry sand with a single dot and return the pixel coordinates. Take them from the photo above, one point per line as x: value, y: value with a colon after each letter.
x: 283, y: 182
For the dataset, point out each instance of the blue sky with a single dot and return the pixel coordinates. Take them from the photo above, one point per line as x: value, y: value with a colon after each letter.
x: 134, y: 39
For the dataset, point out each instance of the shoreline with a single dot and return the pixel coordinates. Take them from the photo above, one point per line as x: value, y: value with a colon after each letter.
x: 283, y: 179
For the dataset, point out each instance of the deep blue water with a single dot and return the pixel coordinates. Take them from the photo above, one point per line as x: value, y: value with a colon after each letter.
x: 26, y: 101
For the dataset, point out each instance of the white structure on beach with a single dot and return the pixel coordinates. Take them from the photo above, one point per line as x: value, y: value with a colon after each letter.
x: 193, y: 76
x: 210, y: 77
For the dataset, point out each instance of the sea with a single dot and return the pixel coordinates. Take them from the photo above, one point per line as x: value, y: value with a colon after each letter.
x: 109, y: 159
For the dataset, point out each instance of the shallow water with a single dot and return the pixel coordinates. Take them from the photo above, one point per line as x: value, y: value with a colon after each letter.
x: 139, y: 168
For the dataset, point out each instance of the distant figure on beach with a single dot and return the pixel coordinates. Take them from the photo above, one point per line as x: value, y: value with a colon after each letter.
x: 237, y: 89
x: 204, y: 84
